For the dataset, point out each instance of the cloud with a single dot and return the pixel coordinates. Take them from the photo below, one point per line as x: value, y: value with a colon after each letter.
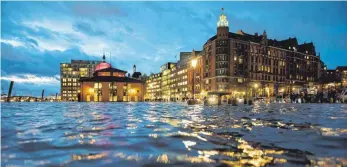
x: 33, y: 79
x: 14, y: 43
x: 88, y: 9
x: 37, y: 36
x: 86, y: 28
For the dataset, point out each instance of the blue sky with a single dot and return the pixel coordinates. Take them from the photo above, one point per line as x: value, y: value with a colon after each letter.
x: 37, y: 36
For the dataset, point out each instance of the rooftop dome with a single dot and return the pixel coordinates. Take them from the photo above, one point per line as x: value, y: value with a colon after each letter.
x: 102, y: 65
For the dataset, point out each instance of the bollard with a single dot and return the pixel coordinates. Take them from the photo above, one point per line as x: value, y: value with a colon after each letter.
x: 234, y: 102
x: 43, y: 93
x: 10, y: 91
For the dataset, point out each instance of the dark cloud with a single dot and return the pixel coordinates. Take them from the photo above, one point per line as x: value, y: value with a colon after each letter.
x: 149, y: 31
x: 20, y: 60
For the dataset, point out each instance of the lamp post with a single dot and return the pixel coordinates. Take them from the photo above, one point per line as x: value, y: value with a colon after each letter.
x: 194, y: 62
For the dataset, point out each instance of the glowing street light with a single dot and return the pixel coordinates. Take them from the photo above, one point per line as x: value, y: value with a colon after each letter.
x: 255, y: 85
x: 194, y: 62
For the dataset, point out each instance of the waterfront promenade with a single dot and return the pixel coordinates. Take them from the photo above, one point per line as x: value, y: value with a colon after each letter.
x: 166, y: 134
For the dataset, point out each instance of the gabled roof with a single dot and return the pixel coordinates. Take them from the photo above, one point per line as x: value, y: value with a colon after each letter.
x: 109, y: 79
x: 289, y: 43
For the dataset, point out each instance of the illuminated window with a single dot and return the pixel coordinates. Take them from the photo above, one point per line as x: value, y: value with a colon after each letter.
x: 97, y: 85
x: 104, y: 74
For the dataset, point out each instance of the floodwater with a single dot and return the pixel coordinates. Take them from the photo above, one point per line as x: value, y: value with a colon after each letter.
x: 173, y: 134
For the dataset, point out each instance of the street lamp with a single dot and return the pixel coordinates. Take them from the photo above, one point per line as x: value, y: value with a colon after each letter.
x: 194, y: 62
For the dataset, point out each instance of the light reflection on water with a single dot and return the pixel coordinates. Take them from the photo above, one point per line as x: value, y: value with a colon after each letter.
x: 157, y: 134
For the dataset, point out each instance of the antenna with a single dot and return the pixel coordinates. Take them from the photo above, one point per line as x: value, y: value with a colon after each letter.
x: 114, y: 62
x: 110, y: 58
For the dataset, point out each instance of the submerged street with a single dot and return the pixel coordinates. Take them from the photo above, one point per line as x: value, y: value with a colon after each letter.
x: 159, y: 134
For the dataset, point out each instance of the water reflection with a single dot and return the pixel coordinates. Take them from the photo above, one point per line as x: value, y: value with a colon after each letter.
x: 150, y: 134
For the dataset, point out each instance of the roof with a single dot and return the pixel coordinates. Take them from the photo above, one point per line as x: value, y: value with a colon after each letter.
x: 111, y: 70
x: 136, y: 74
x: 102, y: 65
x: 309, y: 47
x: 109, y: 79
x: 271, y: 42
x: 341, y: 68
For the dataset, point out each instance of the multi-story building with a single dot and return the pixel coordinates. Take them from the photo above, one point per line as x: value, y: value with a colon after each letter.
x: 70, y: 74
x: 240, y: 63
x: 179, y: 86
x: 153, y: 87
x: 233, y: 62
x: 166, y: 71
x: 171, y: 83
x: 342, y: 73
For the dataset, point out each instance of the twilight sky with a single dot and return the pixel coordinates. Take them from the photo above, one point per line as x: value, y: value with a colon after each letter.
x: 37, y: 36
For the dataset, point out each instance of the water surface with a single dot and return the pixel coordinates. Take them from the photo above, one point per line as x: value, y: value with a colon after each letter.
x: 173, y: 134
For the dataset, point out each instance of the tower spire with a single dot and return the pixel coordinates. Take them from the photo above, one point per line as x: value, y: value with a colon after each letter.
x: 222, y: 22
x: 103, y: 58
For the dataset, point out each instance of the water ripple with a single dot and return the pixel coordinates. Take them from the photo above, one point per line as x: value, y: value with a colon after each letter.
x: 173, y: 134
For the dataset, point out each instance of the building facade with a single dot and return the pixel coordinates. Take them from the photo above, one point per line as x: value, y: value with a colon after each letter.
x: 342, y: 74
x: 244, y: 64
x: 70, y: 73
x: 111, y: 85
x: 153, y: 87
x: 239, y: 62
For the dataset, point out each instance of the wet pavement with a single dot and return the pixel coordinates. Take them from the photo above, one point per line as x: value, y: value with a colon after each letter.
x: 173, y: 134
